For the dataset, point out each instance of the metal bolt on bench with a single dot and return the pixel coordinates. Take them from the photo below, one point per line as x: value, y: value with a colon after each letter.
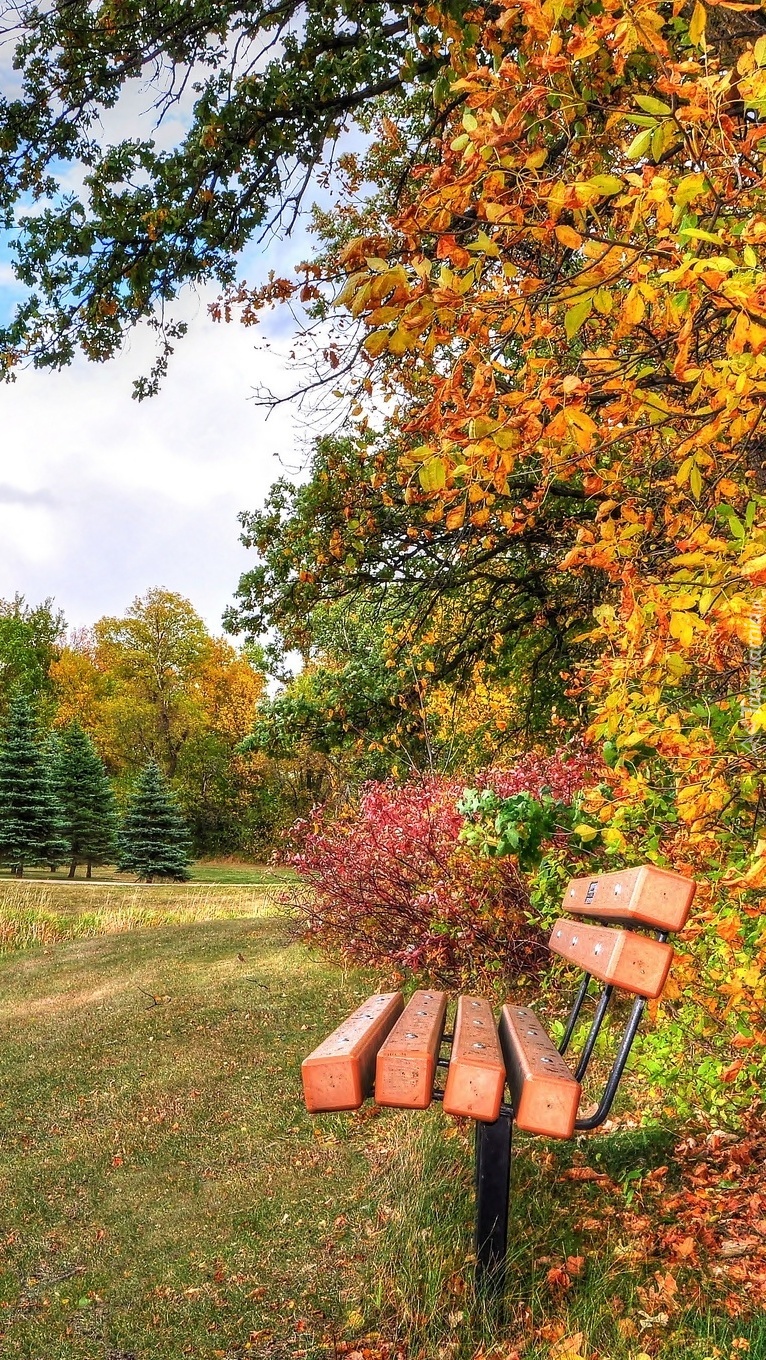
x: 394, y: 1050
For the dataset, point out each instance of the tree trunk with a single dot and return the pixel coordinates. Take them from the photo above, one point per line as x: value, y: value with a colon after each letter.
x: 88, y: 871
x: 72, y: 869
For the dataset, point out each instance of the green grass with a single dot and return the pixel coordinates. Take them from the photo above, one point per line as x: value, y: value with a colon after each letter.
x: 45, y: 913
x: 161, y: 1185
x: 163, y: 1192
x: 233, y: 872
x: 225, y: 871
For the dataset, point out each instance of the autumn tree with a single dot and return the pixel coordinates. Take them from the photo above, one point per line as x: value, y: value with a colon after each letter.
x: 80, y: 686
x: 224, y: 790
x: 598, y: 325
x: 153, y: 655
x: 155, y: 685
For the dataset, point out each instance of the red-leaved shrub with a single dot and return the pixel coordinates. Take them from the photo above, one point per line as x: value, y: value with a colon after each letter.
x: 561, y: 775
x: 390, y: 882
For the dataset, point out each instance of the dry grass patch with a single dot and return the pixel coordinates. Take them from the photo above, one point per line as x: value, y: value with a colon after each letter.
x: 48, y: 913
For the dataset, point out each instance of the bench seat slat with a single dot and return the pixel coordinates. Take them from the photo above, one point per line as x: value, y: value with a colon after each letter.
x: 476, y: 1074
x: 406, y: 1064
x: 635, y: 963
x: 338, y: 1075
x: 647, y: 896
x: 544, y: 1092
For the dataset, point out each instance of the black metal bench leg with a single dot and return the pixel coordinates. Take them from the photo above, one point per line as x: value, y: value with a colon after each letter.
x: 493, y: 1178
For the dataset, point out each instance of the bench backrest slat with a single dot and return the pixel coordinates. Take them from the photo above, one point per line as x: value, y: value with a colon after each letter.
x: 636, y: 963
x: 645, y: 896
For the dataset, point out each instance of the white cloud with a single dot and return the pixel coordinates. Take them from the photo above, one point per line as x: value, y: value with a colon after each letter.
x: 102, y: 497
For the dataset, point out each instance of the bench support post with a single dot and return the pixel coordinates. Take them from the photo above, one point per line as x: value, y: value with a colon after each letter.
x: 493, y: 1178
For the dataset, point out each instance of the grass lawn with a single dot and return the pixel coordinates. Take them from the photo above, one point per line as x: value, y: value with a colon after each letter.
x: 234, y: 872
x: 163, y: 1192
x: 223, y: 871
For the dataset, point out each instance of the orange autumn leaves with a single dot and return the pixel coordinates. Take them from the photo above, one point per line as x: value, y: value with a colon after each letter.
x: 573, y: 305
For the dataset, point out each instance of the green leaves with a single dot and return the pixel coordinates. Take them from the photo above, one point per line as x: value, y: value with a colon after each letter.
x: 433, y: 475
x: 511, y: 826
x: 607, y: 185
x: 651, y: 105
x: 640, y: 145
x: 577, y: 314
x: 150, y: 221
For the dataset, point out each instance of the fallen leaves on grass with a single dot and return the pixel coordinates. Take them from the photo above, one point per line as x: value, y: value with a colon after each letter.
x: 658, y: 1301
x: 718, y: 1217
x: 560, y: 1277
x: 585, y: 1173
x: 712, y: 1227
x: 574, y: 1347
x: 558, y: 1280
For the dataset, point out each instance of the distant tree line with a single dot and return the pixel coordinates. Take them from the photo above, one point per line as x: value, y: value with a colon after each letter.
x: 150, y: 688
x: 57, y: 806
x: 243, y: 762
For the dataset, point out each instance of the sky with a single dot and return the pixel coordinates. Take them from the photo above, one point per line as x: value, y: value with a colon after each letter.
x: 102, y: 497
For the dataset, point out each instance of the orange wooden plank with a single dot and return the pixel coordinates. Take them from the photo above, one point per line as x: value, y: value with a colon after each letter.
x: 476, y: 1074
x: 634, y: 962
x: 406, y: 1064
x: 544, y: 1092
x: 646, y: 896
x: 338, y: 1075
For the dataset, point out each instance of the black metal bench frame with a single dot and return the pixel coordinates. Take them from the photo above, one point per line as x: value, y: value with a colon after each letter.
x: 494, y: 1142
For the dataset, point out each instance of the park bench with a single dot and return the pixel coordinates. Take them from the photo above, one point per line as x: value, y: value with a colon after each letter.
x: 618, y: 939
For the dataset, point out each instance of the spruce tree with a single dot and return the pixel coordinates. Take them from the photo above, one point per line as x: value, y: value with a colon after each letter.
x: 88, y: 806
x: 154, y: 840
x: 30, y: 816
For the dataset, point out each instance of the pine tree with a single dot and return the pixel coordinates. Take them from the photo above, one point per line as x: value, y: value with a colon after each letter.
x: 30, y: 817
x: 154, y: 840
x: 89, y: 810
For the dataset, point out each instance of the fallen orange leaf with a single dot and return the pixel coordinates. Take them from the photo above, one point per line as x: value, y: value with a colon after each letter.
x: 569, y: 1347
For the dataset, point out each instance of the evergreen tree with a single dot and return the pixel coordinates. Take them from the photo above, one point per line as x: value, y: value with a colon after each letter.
x: 154, y: 840
x: 89, y: 810
x: 30, y: 816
